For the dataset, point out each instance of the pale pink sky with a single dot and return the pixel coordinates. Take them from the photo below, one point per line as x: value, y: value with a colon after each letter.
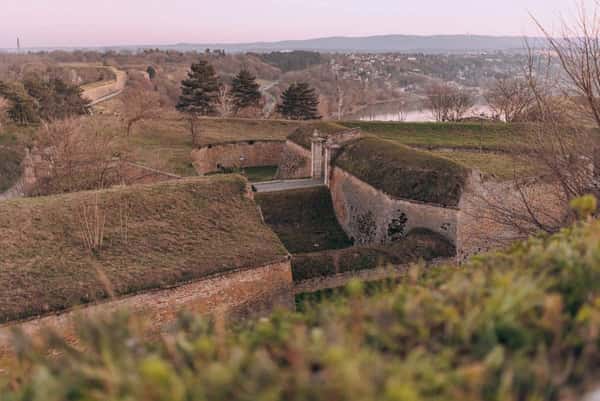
x: 121, y: 22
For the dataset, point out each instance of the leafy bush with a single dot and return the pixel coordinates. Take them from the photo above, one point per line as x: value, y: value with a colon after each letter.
x: 522, y: 325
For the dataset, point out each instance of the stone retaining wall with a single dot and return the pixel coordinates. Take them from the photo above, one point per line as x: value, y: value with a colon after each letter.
x: 295, y: 162
x: 251, y: 292
x: 370, y: 216
x: 211, y: 158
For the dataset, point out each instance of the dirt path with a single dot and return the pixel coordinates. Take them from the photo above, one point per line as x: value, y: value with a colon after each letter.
x: 102, y: 91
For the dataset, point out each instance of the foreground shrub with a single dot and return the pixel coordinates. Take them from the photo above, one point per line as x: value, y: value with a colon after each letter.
x: 522, y: 325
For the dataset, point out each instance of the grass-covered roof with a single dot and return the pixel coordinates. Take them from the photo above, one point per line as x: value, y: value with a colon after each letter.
x: 404, y: 172
x: 154, y: 236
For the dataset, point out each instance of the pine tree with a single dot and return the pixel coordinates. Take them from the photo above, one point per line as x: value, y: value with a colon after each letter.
x: 299, y: 102
x: 245, y: 91
x: 200, y: 91
x: 22, y: 107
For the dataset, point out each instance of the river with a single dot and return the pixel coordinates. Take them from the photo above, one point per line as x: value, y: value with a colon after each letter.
x: 391, y: 111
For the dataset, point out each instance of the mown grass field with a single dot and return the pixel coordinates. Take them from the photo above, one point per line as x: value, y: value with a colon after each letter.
x: 153, y: 236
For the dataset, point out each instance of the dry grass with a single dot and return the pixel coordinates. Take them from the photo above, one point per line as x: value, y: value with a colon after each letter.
x: 176, y: 231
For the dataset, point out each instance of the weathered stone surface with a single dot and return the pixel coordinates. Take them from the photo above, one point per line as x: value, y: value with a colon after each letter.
x: 370, y: 216
x: 295, y: 162
x: 250, y: 292
x: 211, y: 158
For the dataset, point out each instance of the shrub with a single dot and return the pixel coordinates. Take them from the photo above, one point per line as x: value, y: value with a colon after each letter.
x: 520, y: 325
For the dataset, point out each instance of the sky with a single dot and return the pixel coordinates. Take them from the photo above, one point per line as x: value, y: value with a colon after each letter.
x: 143, y: 22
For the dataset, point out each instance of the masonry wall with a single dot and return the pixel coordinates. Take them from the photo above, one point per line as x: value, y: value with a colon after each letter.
x: 486, y: 207
x: 370, y: 216
x: 252, y: 292
x: 210, y: 158
x: 295, y: 162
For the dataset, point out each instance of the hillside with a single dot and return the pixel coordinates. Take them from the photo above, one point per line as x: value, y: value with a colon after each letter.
x: 153, y: 236
x: 367, y: 44
x: 521, y: 325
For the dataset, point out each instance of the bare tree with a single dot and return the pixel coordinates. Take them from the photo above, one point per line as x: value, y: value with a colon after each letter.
x: 339, y: 98
x: 448, y: 102
x: 510, y: 98
x: 3, y: 111
x: 225, y: 103
x: 75, y: 155
x: 139, y: 103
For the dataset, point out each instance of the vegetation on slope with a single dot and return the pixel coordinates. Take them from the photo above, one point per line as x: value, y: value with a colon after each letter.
x: 522, y: 325
x: 418, y: 245
x: 152, y: 236
x: 10, y: 168
x: 304, y: 219
x: 403, y: 172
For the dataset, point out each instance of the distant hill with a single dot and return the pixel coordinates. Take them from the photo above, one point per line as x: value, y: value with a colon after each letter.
x: 368, y: 44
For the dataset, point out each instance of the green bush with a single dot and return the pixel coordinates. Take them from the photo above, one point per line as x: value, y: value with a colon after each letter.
x: 521, y: 325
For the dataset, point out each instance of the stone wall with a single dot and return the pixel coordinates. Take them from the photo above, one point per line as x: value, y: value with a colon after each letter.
x: 370, y: 216
x: 210, y: 158
x: 295, y: 162
x: 487, y: 208
x: 251, y: 292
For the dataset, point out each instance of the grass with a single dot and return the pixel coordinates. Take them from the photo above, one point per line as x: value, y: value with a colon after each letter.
x: 304, y: 219
x: 175, y: 232
x: 10, y: 167
x: 499, y: 166
x: 487, y: 136
x: 517, y: 325
x: 403, y: 172
x: 418, y: 245
x: 260, y: 174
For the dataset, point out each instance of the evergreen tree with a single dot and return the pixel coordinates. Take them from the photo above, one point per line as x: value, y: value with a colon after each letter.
x: 299, y: 102
x: 200, y: 91
x: 245, y: 91
x: 22, y: 107
x: 151, y: 72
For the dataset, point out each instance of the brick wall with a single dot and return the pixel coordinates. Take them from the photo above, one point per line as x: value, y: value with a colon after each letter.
x: 208, y: 159
x: 248, y: 292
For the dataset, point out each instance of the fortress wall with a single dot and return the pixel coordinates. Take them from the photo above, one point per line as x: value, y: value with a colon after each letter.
x: 208, y: 159
x: 370, y: 216
x: 252, y: 292
x: 295, y: 162
x: 482, y: 227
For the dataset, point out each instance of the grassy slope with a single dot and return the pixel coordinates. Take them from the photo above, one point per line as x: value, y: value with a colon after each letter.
x: 404, y: 172
x: 474, y: 136
x: 304, y: 219
x: 481, y: 146
x: 522, y: 325
x: 176, y: 231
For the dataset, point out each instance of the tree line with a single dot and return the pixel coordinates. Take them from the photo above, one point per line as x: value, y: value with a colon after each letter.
x: 204, y: 94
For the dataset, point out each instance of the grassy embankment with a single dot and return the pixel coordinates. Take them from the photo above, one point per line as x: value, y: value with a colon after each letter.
x: 520, y: 325
x: 486, y: 147
x: 153, y: 236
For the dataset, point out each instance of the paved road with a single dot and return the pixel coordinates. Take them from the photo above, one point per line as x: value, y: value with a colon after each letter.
x: 285, y: 185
